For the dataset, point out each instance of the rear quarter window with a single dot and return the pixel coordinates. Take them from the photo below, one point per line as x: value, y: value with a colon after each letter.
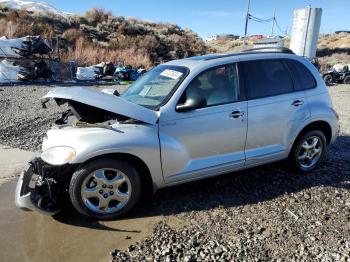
x: 263, y: 78
x: 302, y: 76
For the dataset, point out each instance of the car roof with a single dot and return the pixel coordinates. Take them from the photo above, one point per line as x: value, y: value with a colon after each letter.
x: 216, y: 59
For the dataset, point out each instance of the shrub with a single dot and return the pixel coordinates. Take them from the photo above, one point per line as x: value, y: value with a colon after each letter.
x: 97, y: 15
x: 87, y: 53
x: 72, y: 35
x: 8, y: 28
x: 99, y: 36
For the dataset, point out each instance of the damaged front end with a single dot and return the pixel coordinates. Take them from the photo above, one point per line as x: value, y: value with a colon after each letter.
x: 91, y: 124
x: 43, y: 187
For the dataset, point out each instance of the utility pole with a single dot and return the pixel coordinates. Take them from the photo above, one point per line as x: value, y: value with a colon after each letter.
x: 273, y: 23
x: 246, y: 25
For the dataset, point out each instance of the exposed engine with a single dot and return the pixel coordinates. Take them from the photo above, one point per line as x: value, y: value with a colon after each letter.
x: 84, y: 113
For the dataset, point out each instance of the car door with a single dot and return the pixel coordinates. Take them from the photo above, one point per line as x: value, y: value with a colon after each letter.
x: 276, y: 110
x: 209, y: 140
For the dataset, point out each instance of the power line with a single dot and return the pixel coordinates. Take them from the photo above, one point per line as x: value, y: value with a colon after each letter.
x: 283, y: 32
x: 273, y: 19
x: 260, y: 20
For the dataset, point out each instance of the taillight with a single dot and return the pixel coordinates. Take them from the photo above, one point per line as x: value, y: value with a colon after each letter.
x: 335, y: 113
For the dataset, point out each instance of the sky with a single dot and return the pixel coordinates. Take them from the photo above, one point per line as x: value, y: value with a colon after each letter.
x: 212, y: 17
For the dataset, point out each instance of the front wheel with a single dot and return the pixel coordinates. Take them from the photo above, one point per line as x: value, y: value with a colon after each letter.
x: 105, y: 188
x: 347, y: 80
x: 308, y: 151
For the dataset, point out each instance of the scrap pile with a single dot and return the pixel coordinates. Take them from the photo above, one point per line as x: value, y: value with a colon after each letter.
x: 24, y: 59
x: 107, y: 70
x: 29, y: 59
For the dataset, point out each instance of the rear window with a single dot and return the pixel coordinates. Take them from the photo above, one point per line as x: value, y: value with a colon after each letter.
x: 266, y: 78
x: 302, y: 76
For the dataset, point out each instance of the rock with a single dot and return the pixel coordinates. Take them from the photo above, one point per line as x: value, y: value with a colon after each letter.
x: 218, y: 250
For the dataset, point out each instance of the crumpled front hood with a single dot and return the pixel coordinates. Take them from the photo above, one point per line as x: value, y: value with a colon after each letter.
x: 104, y: 101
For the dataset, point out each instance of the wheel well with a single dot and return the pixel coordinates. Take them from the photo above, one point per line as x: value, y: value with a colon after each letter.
x: 318, y: 125
x: 138, y: 164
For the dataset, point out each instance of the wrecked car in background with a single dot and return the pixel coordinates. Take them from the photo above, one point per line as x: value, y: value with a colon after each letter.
x: 24, y: 46
x: 337, y: 74
x: 96, y: 71
x: 23, y: 59
x: 182, y: 121
x: 22, y: 71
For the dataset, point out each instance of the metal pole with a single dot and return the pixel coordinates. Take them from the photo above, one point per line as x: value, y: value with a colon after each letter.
x: 273, y: 23
x: 246, y: 25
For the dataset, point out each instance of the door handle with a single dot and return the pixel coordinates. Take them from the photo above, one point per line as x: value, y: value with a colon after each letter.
x: 297, y: 102
x: 236, y: 114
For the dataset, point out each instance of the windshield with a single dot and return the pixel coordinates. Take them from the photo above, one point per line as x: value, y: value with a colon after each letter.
x: 154, y: 88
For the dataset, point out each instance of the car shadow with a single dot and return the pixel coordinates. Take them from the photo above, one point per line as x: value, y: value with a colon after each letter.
x: 71, y: 217
x: 251, y: 186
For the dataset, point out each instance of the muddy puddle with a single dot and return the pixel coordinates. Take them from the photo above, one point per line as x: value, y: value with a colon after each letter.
x: 28, y: 236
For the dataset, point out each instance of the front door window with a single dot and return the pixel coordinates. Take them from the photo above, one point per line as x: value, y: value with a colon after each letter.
x: 218, y: 86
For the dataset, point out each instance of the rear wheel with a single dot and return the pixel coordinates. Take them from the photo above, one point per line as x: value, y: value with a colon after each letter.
x: 105, y: 188
x: 308, y: 151
x: 347, y: 80
x: 328, y: 79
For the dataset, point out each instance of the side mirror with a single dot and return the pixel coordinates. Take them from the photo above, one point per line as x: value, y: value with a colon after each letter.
x: 193, y: 102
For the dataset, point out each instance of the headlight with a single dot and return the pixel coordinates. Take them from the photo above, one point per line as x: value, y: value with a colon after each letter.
x: 58, y: 156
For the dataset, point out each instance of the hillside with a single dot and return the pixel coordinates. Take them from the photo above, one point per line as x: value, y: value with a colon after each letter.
x: 332, y: 48
x: 31, y: 6
x: 100, y: 36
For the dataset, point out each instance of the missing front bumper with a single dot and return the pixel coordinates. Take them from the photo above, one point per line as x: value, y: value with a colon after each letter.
x: 40, y: 188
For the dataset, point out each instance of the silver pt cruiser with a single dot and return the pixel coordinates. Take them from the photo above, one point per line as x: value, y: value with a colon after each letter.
x: 184, y: 120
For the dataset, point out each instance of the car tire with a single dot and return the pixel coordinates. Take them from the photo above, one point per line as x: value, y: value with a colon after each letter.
x: 347, y: 80
x: 305, y: 156
x: 328, y: 79
x: 105, y: 189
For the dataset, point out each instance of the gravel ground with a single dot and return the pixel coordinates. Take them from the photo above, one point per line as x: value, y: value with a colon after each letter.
x: 265, y: 213
x: 23, y: 120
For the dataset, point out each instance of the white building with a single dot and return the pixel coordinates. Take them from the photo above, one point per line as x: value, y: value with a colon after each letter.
x: 211, y: 38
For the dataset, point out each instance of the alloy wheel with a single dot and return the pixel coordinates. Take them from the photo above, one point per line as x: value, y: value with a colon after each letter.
x: 310, y: 152
x: 106, y: 191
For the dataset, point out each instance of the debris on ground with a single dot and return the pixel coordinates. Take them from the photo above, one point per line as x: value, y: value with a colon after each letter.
x: 96, y: 71
x: 127, y: 73
x: 107, y: 69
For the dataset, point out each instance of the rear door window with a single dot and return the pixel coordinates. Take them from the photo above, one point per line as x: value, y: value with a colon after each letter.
x: 303, y: 78
x: 265, y: 78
